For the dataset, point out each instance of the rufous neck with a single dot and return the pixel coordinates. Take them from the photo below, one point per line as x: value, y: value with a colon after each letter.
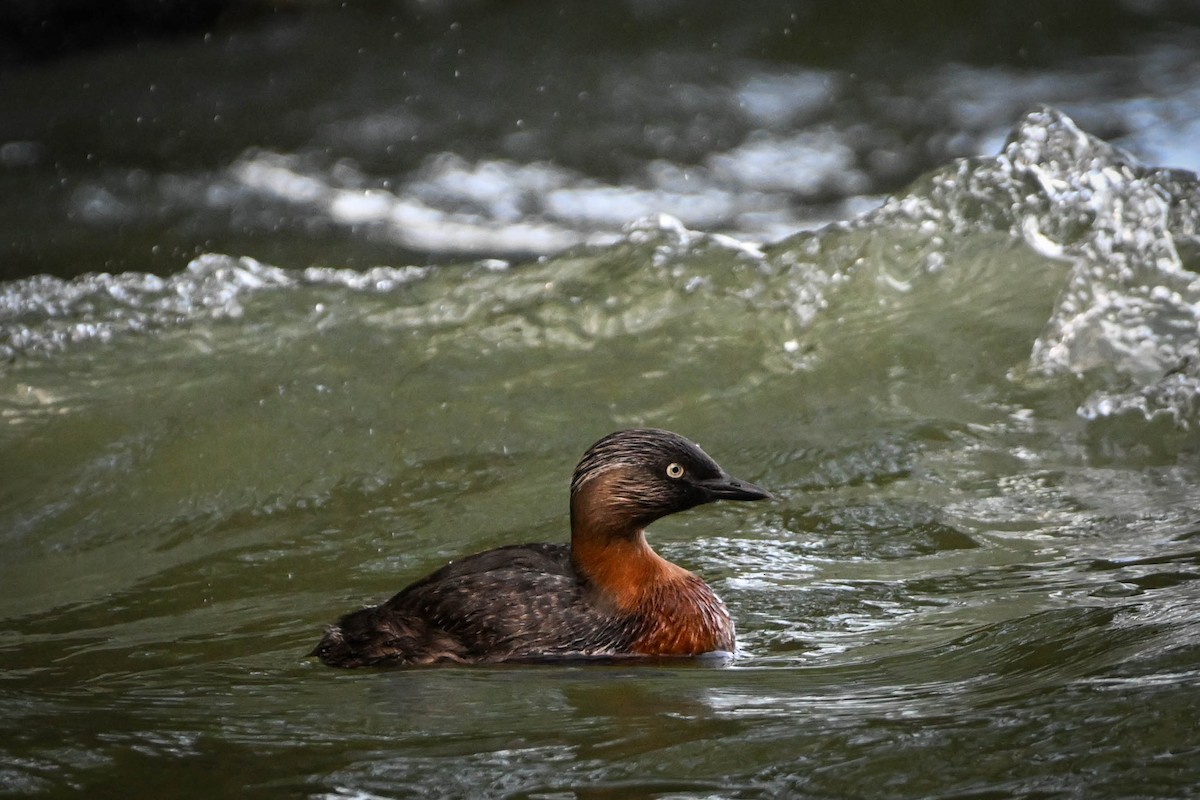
x: 610, y: 551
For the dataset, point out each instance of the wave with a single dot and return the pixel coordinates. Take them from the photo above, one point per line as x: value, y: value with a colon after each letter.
x: 1059, y: 230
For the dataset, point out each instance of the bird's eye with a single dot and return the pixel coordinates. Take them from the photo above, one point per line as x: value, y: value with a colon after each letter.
x: 674, y: 470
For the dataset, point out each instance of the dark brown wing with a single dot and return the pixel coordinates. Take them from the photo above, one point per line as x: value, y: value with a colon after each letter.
x: 511, y: 602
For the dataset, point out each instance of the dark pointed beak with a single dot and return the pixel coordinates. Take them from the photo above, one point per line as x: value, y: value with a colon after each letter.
x: 727, y: 488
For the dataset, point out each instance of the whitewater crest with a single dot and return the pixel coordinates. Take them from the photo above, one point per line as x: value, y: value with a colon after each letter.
x: 1128, y: 313
x: 44, y: 314
x: 1130, y: 309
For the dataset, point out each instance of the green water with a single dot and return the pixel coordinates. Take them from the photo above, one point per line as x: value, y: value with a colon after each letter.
x: 969, y: 585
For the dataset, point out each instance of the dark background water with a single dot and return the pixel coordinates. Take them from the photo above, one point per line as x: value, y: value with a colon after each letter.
x: 138, y: 137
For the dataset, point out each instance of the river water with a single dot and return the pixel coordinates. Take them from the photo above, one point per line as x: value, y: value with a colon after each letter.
x: 975, y: 402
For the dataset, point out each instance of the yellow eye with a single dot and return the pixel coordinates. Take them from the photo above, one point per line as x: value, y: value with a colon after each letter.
x: 674, y: 470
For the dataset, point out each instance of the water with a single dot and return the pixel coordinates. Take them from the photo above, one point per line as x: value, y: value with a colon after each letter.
x: 975, y: 405
x: 439, y: 132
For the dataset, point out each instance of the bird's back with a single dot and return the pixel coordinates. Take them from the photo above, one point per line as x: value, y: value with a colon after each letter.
x: 511, y: 602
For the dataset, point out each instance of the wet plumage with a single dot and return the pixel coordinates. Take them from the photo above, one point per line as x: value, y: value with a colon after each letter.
x: 606, y: 593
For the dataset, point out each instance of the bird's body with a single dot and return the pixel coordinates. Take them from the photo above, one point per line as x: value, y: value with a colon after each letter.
x: 606, y: 594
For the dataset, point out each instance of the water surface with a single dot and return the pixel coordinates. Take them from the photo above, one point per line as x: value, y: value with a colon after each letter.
x: 975, y: 405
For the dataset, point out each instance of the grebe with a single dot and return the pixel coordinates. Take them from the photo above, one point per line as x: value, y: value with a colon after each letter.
x: 606, y: 594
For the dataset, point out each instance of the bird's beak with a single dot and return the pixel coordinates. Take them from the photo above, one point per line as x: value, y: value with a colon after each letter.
x: 728, y: 488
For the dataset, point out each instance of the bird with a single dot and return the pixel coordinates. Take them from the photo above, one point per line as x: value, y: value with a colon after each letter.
x: 605, y: 594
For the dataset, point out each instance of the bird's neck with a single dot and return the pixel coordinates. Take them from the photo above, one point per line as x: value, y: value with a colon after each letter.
x: 625, y: 570
x: 609, y: 550
x: 678, y: 612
